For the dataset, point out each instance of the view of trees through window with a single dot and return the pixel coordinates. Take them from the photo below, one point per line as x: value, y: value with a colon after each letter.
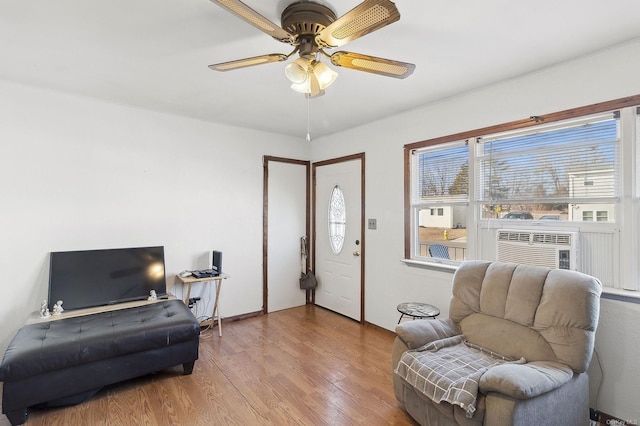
x: 565, y: 173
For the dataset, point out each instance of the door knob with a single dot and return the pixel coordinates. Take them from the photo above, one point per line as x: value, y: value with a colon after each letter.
x: 356, y: 253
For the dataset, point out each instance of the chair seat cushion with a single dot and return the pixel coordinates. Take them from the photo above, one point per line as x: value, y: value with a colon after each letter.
x: 58, y: 344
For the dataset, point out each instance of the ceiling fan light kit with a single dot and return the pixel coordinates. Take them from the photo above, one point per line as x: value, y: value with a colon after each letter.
x: 309, y: 76
x: 311, y: 28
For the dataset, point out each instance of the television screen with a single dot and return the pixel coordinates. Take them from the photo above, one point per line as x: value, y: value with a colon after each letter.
x: 83, y: 279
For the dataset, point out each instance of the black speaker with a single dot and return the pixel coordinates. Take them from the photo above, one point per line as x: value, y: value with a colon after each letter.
x: 216, y: 261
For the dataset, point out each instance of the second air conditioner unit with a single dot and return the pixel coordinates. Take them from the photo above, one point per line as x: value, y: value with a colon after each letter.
x: 553, y: 249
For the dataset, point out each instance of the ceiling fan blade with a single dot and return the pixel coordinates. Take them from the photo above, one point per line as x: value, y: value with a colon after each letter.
x: 249, y: 15
x: 371, y: 64
x: 249, y: 62
x: 368, y: 16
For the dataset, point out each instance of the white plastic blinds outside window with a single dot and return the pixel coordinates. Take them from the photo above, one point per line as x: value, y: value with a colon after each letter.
x: 570, y: 162
x: 441, y: 174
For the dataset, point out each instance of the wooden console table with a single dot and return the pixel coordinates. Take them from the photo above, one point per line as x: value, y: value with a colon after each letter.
x: 217, y: 280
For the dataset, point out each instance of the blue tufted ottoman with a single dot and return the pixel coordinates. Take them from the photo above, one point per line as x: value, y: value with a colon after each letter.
x: 65, y: 361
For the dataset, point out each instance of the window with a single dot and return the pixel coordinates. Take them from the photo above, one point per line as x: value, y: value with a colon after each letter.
x: 575, y: 172
x: 337, y: 219
x: 440, y: 200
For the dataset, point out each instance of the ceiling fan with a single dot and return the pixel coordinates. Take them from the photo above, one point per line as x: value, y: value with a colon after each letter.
x: 313, y: 27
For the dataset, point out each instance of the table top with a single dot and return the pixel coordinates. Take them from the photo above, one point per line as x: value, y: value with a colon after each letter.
x: 192, y: 279
x: 417, y: 309
x: 70, y: 313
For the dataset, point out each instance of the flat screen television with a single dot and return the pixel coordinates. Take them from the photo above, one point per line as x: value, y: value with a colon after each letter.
x: 88, y: 278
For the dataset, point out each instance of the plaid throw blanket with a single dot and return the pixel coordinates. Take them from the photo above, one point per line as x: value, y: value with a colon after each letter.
x: 448, y: 370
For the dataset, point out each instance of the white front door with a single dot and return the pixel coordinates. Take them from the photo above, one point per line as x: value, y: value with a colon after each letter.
x: 339, y: 237
x: 286, y: 213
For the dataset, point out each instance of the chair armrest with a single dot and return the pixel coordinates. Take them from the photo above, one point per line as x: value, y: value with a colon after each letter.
x: 524, y: 381
x: 420, y: 332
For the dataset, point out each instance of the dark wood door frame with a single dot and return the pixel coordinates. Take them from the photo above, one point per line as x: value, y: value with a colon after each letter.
x: 265, y: 220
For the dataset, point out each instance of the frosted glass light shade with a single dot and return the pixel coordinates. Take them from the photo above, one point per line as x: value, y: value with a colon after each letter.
x: 325, y: 75
x: 304, y: 87
x: 309, y: 87
x: 297, y: 71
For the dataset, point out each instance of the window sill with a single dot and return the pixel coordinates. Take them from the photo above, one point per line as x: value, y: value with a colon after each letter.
x: 434, y: 265
x: 621, y: 295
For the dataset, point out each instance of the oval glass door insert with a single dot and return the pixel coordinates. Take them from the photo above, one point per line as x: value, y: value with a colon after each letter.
x: 337, y: 219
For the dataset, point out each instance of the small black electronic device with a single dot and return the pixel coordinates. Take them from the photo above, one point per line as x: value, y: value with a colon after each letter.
x: 205, y: 273
x: 216, y: 261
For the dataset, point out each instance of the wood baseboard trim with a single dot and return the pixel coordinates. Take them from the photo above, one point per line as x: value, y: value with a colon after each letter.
x: 209, y: 322
x: 368, y: 324
x: 242, y: 316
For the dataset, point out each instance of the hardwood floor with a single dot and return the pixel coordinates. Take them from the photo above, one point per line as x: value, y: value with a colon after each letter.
x: 301, y: 366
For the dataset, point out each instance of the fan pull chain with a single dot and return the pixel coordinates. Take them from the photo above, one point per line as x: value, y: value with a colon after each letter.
x: 308, y: 138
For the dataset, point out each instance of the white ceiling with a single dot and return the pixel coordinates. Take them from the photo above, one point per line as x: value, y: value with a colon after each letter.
x: 154, y: 54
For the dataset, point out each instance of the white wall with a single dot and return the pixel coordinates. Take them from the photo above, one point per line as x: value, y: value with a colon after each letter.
x: 605, y: 76
x: 80, y: 174
x: 614, y: 379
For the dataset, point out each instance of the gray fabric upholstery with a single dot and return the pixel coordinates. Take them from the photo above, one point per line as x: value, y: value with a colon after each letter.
x: 547, y: 316
x: 418, y: 333
x: 527, y: 380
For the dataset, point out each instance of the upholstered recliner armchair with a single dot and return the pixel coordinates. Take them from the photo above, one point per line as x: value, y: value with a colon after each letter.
x: 519, y: 340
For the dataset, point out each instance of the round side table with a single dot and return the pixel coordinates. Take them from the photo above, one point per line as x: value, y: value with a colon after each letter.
x: 417, y: 310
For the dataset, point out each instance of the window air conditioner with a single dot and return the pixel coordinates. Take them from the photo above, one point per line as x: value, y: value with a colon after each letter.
x: 553, y: 249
